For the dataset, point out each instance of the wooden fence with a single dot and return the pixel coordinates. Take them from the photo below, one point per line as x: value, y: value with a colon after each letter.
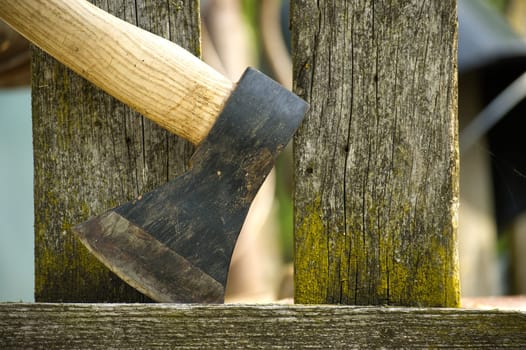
x: 376, y: 194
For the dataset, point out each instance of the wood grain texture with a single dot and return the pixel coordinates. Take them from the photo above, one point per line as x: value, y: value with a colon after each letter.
x: 376, y: 179
x: 92, y: 153
x: 139, y: 326
x: 156, y: 77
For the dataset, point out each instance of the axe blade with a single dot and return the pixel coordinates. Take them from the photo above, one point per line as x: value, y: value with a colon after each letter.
x: 175, y: 243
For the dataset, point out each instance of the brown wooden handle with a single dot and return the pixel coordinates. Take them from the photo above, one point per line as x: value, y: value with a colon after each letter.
x: 154, y: 76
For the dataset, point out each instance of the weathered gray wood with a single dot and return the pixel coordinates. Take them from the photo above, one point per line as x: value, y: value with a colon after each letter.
x: 376, y: 159
x: 135, y: 326
x: 92, y: 153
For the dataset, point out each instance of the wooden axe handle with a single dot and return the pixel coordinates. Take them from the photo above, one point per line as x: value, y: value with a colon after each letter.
x: 154, y: 76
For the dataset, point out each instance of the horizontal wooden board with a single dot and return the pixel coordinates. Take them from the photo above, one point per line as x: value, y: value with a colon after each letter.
x: 105, y: 326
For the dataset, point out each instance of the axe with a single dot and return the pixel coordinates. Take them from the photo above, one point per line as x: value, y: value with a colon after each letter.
x: 175, y: 243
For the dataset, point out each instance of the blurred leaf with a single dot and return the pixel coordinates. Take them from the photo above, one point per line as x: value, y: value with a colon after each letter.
x: 500, y: 5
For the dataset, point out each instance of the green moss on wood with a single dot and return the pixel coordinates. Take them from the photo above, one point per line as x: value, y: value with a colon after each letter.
x: 91, y: 154
x: 310, y: 259
x: 377, y: 165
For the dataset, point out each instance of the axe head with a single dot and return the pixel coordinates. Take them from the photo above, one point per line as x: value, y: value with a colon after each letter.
x: 175, y: 243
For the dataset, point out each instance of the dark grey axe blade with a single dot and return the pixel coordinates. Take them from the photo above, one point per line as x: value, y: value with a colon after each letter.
x: 175, y: 243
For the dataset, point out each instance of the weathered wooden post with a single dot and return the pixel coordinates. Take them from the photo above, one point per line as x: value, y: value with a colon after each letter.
x: 376, y: 158
x: 91, y: 153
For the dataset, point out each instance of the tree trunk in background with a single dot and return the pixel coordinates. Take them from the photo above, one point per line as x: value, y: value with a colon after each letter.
x: 92, y: 153
x: 516, y: 15
x: 518, y: 260
x: 477, y: 231
x: 376, y: 158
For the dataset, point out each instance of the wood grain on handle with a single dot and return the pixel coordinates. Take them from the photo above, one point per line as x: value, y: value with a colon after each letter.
x: 154, y: 76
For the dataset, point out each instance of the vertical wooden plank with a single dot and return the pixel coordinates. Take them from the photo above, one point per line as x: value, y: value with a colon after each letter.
x: 91, y: 153
x: 376, y: 160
